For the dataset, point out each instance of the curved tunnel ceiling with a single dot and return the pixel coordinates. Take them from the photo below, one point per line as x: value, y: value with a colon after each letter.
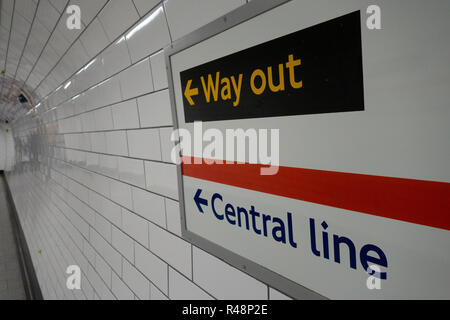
x: 39, y: 54
x: 33, y: 40
x: 16, y: 97
x: 15, y: 100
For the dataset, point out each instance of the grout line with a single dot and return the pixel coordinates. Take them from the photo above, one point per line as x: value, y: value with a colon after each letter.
x: 68, y: 233
x: 26, y: 41
x: 109, y: 243
x: 45, y: 45
x: 74, y: 242
x: 137, y: 243
x: 116, y: 179
x: 192, y: 262
x: 55, y: 228
x: 9, y: 39
x: 71, y: 45
x: 102, y: 51
x: 168, y: 282
x: 108, y: 79
x: 112, y: 201
x: 137, y: 11
x: 109, y: 155
x: 167, y: 21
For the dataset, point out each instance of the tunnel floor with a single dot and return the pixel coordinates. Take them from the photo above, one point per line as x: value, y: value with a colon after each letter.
x: 11, y: 280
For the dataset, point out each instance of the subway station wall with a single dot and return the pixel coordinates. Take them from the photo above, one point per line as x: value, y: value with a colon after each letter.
x: 7, y: 152
x: 93, y: 183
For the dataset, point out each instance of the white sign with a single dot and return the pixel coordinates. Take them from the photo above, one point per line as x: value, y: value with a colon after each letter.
x: 359, y: 204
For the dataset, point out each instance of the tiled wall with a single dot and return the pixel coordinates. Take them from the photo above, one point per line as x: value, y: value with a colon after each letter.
x: 7, y: 152
x: 94, y: 185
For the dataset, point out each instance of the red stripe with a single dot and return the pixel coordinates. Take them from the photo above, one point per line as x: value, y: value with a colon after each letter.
x: 416, y: 201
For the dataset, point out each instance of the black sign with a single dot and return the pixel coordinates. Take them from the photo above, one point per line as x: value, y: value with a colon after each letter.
x: 311, y: 71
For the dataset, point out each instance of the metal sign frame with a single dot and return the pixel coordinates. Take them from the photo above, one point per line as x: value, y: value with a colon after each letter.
x: 259, y: 272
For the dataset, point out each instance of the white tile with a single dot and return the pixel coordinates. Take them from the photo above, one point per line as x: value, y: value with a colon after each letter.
x: 75, y: 58
x: 116, y: 143
x: 120, y: 289
x: 162, y: 178
x: 58, y: 42
x: 167, y: 146
x: 132, y: 171
x: 121, y: 193
x: 117, y: 16
x: 38, y: 37
x: 47, y: 15
x: 108, y: 92
x: 101, y: 289
x: 144, y: 144
x: 123, y: 243
x: 173, y: 216
x: 58, y: 5
x: 94, y: 38
x: 108, y: 165
x: 70, y: 141
x: 8, y: 5
x: 149, y: 35
x: 92, y: 75
x: 135, y: 226
x: 108, y: 253
x: 89, y: 8
x: 89, y: 252
x: 136, y: 281
x: 152, y: 267
x: 136, y: 80
x: 181, y: 288
x: 277, y: 295
x: 155, y: 110
x: 85, y: 142
x: 115, y: 58
x: 92, y: 161
x: 103, y: 227
x: 88, y: 121
x: 232, y: 283
x: 156, y: 294
x: 87, y: 288
x: 159, y: 72
x: 150, y: 206
x: 125, y: 115
x: 103, y: 119
x: 98, y: 142
x: 106, y: 208
x: 145, y: 6
x: 173, y: 250
x: 184, y: 16
x: 101, y: 185
x: 103, y: 270
x: 83, y: 210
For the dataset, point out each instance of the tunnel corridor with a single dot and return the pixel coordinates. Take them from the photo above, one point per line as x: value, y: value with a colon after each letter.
x: 267, y: 150
x: 12, y: 285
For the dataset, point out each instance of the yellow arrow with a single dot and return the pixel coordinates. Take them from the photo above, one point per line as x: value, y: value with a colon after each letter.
x: 188, y: 93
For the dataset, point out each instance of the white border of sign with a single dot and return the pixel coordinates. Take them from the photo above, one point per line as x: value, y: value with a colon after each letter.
x: 230, y: 20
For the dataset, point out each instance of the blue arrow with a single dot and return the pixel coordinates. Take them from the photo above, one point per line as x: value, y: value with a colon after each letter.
x: 199, y: 201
